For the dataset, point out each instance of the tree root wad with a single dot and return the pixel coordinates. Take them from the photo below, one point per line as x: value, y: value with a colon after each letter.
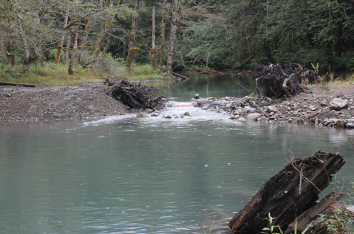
x: 278, y: 82
x: 135, y: 95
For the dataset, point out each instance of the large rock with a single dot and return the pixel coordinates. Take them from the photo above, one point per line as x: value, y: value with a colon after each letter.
x: 338, y: 104
x: 271, y: 109
x: 253, y: 116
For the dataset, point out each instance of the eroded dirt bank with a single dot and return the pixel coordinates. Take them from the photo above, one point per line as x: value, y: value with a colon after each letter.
x: 57, y: 103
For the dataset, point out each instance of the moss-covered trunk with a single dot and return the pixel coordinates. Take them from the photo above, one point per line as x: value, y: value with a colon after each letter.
x: 61, y: 42
x: 163, y: 30
x: 27, y: 54
x: 132, y: 36
x: 72, y: 57
x: 153, y: 47
x: 176, y: 16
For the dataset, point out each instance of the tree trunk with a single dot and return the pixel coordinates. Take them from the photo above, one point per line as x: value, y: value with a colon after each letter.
x: 10, y: 54
x: 26, y: 60
x: 153, y: 48
x: 9, y: 48
x: 72, y: 57
x: 100, y: 37
x: 84, y: 40
x: 67, y: 48
x: 106, y: 48
x: 61, y: 42
x: 163, y: 30
x: 132, y: 36
x: 176, y: 16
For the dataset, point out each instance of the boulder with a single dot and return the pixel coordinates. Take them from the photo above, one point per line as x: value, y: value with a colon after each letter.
x: 142, y: 115
x: 253, y: 116
x: 338, y: 104
x: 271, y: 109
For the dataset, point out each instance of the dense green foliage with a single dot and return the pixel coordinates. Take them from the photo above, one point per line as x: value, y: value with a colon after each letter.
x: 213, y: 34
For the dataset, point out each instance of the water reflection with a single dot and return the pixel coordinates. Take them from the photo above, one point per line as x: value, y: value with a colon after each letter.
x: 208, y: 85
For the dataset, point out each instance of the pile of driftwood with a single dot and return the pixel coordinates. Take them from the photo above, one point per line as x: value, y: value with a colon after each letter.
x: 135, y: 95
x: 278, y: 82
x: 291, y: 193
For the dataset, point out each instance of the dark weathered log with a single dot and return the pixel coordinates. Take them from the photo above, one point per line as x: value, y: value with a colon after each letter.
x: 280, y: 195
x: 17, y: 84
x: 311, y: 214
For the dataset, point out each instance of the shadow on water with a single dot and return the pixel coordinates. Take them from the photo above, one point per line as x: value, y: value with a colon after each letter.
x: 208, y: 85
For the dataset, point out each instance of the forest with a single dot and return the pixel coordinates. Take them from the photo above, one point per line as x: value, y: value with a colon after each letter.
x: 176, y: 34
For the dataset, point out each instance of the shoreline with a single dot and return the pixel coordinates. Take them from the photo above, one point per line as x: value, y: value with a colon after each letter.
x: 316, y: 107
x: 57, y: 103
x: 89, y: 101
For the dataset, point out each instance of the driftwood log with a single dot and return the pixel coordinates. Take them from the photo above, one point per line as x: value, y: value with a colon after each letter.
x: 180, y: 76
x: 135, y: 95
x: 278, y: 82
x: 18, y: 84
x: 291, y: 192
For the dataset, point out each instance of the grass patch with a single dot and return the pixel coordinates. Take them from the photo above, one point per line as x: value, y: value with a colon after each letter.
x: 51, y: 75
x: 57, y: 74
x: 342, y: 81
x: 144, y: 72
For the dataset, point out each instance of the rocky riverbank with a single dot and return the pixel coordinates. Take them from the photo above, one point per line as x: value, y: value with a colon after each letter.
x: 331, y: 107
x: 87, y: 100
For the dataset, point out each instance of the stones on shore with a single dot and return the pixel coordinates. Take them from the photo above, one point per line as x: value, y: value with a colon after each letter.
x: 304, y: 109
x: 338, y: 104
x: 253, y: 116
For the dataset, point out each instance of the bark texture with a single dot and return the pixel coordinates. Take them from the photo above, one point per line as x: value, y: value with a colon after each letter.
x: 72, y: 57
x: 176, y: 16
x: 153, y: 46
x: 132, y: 48
x: 163, y: 30
x: 61, y: 42
x: 284, y: 196
x: 27, y: 53
x: 100, y: 37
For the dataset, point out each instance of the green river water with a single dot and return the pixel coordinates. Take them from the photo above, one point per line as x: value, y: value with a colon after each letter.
x: 150, y: 175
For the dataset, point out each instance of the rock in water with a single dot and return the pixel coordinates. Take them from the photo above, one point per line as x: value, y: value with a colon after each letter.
x: 338, y: 104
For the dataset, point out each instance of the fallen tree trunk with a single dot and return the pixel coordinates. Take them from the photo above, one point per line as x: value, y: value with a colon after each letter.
x: 135, y: 95
x: 180, y: 76
x: 284, y: 196
x: 17, y: 84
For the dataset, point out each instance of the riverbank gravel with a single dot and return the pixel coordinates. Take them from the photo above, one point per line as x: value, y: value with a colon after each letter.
x: 87, y: 100
x: 331, y: 107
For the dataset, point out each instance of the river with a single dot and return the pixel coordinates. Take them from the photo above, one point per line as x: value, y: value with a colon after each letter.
x: 125, y: 174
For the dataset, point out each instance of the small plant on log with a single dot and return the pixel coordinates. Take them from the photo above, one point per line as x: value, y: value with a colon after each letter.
x: 271, y: 228
x: 341, y: 220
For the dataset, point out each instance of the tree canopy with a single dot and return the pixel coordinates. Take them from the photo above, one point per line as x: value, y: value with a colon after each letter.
x: 210, y: 34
